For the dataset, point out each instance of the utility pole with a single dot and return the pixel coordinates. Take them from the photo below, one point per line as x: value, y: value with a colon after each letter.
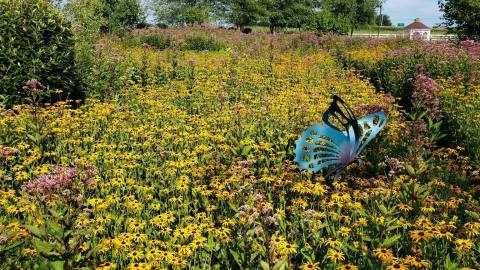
x: 381, y: 19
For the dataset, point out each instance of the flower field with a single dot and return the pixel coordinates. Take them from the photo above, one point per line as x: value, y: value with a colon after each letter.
x: 186, y: 162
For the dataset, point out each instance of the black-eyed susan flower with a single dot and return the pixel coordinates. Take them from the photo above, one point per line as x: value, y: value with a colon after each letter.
x: 310, y: 266
x: 417, y: 262
x: 135, y: 255
x: 347, y: 267
x: 287, y: 248
x: 333, y: 242
x: 397, y: 266
x: 418, y: 236
x: 384, y: 255
x: 335, y: 256
x: 463, y: 245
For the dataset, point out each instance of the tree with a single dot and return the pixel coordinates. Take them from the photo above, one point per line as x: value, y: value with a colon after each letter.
x: 327, y: 22
x: 336, y: 16
x: 343, y: 16
x: 284, y: 13
x: 181, y: 12
x: 462, y: 17
x: 245, y: 12
x: 301, y: 13
x: 383, y: 20
x: 122, y: 14
x: 364, y: 13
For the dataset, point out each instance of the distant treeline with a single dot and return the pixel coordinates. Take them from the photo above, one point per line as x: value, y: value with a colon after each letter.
x: 321, y: 16
x: 337, y: 16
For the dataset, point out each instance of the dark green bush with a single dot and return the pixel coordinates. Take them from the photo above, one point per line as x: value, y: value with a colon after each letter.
x: 155, y: 41
x: 202, y: 43
x: 35, y: 42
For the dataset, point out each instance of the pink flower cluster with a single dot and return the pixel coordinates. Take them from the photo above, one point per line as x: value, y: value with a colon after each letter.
x: 8, y: 151
x: 51, y: 182
x: 424, y: 92
x: 34, y: 87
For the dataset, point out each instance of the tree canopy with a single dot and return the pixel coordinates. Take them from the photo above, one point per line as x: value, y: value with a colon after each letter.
x: 339, y: 16
x: 462, y: 17
x: 383, y: 20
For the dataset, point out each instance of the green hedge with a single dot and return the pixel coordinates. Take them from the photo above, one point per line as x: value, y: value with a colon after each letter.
x: 35, y: 42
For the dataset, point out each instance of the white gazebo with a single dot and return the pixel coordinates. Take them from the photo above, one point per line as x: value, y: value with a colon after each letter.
x: 418, y: 30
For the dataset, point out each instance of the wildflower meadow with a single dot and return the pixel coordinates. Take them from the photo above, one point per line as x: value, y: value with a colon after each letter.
x: 180, y: 155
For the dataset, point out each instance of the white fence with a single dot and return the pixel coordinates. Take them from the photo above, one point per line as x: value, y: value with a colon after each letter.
x: 393, y: 36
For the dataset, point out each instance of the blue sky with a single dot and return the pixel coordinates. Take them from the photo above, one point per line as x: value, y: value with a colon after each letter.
x: 405, y: 11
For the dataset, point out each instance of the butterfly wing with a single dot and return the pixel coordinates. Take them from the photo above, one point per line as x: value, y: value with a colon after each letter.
x: 370, y: 125
x: 320, y: 146
x: 345, y: 121
x: 345, y: 117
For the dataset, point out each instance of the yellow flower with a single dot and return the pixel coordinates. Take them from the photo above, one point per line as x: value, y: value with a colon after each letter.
x: 463, y: 245
x: 335, y: 256
x: 333, y: 243
x: 103, y: 219
x: 404, y: 207
x: 135, y: 255
x: 344, y: 231
x: 310, y: 266
x: 21, y: 175
x: 417, y: 262
x: 384, y: 255
x: 418, y: 235
x: 427, y: 209
x: 106, y: 266
x: 347, y: 267
x: 286, y: 248
x: 29, y: 252
x: 397, y: 266
x: 14, y: 210
x: 135, y: 226
x: 139, y: 266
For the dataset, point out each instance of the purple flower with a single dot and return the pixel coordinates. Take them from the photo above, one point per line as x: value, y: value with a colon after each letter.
x: 51, y: 182
x: 424, y: 93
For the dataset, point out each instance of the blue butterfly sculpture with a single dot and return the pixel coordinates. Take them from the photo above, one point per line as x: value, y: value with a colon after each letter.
x: 337, y: 144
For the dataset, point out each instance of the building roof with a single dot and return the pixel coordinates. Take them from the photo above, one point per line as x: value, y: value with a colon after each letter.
x: 417, y: 24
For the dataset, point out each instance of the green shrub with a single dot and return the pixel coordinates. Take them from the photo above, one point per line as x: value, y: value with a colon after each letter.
x: 461, y: 105
x: 35, y: 42
x: 202, y: 43
x: 157, y: 41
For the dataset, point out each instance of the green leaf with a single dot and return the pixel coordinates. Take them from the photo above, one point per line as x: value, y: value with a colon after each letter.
x: 42, y: 246
x: 55, y: 213
x: 449, y: 265
x: 264, y: 265
x: 236, y: 256
x: 58, y: 265
x: 35, y: 230
x: 32, y: 138
x: 366, y: 239
x: 11, y: 246
x: 410, y: 169
x: 473, y: 215
x: 55, y: 229
x: 246, y: 150
x: 391, y: 228
x: 383, y: 209
x: 391, y: 241
x: 232, y: 206
x: 280, y: 265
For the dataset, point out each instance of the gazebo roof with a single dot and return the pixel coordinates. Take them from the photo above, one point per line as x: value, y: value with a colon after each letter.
x: 417, y: 24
